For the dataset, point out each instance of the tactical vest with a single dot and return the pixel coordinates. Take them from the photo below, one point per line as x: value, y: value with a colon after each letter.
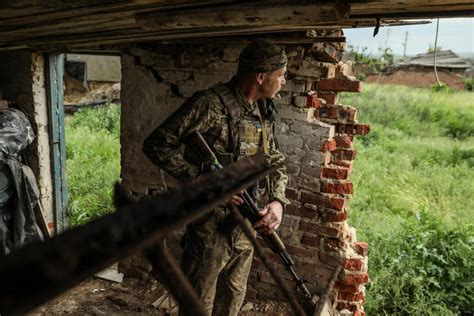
x: 248, y: 134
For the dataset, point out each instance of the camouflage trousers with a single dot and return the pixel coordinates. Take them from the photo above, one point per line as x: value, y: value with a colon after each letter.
x: 217, y: 264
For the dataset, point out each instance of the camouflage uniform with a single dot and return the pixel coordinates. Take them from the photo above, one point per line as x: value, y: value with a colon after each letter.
x: 217, y: 263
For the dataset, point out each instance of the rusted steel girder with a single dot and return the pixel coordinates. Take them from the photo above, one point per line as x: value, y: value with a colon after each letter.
x: 38, y: 272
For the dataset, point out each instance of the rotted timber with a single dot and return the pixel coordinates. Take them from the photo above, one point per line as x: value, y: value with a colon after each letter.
x: 38, y: 272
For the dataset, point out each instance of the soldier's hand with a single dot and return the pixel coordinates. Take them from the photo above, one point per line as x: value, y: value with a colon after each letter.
x: 236, y: 200
x: 271, y: 218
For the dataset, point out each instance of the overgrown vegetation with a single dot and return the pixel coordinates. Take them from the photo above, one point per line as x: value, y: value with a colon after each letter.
x: 469, y: 84
x: 413, y: 201
x: 93, y: 162
x: 368, y: 63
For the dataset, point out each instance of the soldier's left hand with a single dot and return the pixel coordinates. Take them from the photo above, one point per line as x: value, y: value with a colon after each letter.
x: 271, y: 218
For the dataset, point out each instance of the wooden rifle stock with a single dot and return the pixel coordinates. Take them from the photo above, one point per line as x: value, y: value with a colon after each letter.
x: 249, y: 209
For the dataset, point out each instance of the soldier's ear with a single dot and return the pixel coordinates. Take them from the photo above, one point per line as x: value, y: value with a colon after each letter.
x: 260, y: 77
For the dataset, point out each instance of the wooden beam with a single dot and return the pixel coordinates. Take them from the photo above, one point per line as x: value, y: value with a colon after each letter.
x: 32, y: 12
x: 38, y: 272
x: 242, y: 14
x: 133, y: 35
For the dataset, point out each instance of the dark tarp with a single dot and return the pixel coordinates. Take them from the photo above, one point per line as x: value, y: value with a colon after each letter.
x: 19, y: 192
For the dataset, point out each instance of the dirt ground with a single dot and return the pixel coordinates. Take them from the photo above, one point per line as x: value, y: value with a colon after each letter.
x: 76, y: 93
x: 419, y: 78
x: 132, y: 297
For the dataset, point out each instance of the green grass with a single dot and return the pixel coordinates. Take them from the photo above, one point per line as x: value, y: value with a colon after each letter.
x: 414, y: 199
x: 413, y: 202
x: 93, y: 162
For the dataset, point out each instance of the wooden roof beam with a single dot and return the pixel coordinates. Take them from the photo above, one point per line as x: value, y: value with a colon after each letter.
x: 256, y: 14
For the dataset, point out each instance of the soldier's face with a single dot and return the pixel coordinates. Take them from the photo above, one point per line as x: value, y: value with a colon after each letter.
x: 272, y: 83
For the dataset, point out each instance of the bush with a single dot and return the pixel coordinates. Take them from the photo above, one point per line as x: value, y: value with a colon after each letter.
x: 413, y: 179
x: 444, y: 88
x: 424, y: 269
x: 103, y: 118
x: 469, y: 85
x: 93, y: 162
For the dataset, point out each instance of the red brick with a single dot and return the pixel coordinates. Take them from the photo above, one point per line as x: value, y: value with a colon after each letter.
x: 334, y: 217
x: 360, y: 278
x: 333, y: 232
x: 352, y: 129
x: 344, y: 141
x: 339, y: 85
x: 342, y: 305
x: 347, y: 113
x: 312, y: 101
x: 334, y: 173
x: 326, y: 112
x: 351, y: 288
x: 354, y: 264
x: 291, y: 193
x: 336, y: 112
x: 329, y: 97
x: 323, y: 200
x: 341, y: 187
x: 308, y: 227
x: 297, y: 251
x: 355, y: 307
x: 333, y: 244
x: 347, y: 296
x: 312, y: 241
x: 330, y: 259
x: 361, y: 129
x: 362, y: 248
x: 343, y: 163
x: 344, y: 154
x: 291, y: 209
x: 328, y: 145
x: 306, y: 212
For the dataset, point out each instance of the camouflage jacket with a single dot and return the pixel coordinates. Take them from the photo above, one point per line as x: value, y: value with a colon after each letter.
x: 205, y: 112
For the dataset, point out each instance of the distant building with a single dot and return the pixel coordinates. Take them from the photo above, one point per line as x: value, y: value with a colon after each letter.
x: 445, y: 60
x: 419, y: 71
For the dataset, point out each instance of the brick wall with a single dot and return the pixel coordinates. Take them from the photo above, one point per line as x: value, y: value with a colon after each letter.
x: 314, y: 131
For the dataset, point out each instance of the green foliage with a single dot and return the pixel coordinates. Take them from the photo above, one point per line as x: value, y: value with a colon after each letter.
x: 104, y: 118
x: 432, y: 49
x: 469, y: 84
x: 416, y: 112
x: 413, y: 201
x: 424, y: 269
x: 373, y: 63
x: 93, y: 162
x: 444, y: 88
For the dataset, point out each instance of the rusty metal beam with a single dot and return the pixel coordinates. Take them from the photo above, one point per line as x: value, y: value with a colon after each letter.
x: 39, y: 272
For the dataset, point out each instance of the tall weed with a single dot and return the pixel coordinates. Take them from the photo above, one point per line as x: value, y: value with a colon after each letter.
x: 93, y: 162
x: 413, y: 201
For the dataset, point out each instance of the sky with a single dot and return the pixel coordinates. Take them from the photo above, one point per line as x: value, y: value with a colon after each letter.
x: 456, y: 34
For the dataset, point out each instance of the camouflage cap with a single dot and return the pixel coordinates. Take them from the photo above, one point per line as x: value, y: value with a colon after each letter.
x: 261, y: 56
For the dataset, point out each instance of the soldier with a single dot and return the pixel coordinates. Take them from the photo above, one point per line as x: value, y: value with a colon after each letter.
x: 236, y: 119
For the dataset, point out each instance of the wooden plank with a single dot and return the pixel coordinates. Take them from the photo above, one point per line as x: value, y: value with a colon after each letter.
x: 46, y: 13
x: 65, y: 28
x: 137, y: 35
x: 248, y: 14
x: 58, y: 142
x: 38, y: 272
